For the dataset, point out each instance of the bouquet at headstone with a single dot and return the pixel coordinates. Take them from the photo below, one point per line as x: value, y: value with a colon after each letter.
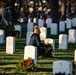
x: 48, y: 50
x: 26, y: 65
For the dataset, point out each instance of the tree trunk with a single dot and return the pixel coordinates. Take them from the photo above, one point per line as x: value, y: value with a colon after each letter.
x: 12, y: 2
x: 54, y: 11
x: 75, y: 7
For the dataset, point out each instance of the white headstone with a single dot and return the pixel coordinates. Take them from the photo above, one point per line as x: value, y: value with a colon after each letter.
x: 75, y: 55
x: 72, y: 36
x: 10, y: 45
x: 35, y: 20
x: 68, y: 24
x: 29, y: 20
x: 49, y: 22
x: 28, y: 35
x: 62, y: 66
x: 2, y: 35
x: 63, y: 41
x: 54, y: 28
x: 62, y: 26
x: 31, y: 51
x: 30, y: 27
x: 50, y: 41
x: 74, y: 22
x: 40, y: 23
x: 18, y: 28
x: 43, y: 33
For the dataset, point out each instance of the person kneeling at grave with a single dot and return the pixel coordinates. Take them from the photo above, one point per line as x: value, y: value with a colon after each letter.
x: 35, y: 40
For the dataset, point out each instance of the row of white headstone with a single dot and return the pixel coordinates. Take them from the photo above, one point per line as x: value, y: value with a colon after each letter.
x: 31, y: 51
x: 64, y: 39
x: 2, y: 33
x: 53, y: 31
x: 69, y: 22
x: 59, y: 66
x: 53, y: 26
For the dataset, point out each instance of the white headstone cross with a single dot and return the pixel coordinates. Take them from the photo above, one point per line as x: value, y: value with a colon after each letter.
x: 72, y: 36
x: 62, y: 26
x: 43, y: 33
x: 30, y: 51
x: 62, y: 66
x: 18, y: 28
x: 63, y: 41
x: 2, y: 35
x: 10, y: 45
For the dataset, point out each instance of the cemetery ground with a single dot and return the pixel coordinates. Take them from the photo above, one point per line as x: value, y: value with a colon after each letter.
x: 8, y: 62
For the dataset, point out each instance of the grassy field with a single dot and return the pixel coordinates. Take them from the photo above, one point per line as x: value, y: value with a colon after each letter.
x: 44, y: 65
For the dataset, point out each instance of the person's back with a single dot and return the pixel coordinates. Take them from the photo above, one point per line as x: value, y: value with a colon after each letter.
x: 35, y: 39
x: 6, y: 16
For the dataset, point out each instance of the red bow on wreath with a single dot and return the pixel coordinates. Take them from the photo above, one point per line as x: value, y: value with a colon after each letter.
x: 25, y: 64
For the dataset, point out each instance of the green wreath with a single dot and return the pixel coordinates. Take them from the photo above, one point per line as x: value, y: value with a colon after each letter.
x: 26, y: 65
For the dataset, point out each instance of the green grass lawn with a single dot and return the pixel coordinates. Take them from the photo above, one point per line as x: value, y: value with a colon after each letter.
x: 44, y: 64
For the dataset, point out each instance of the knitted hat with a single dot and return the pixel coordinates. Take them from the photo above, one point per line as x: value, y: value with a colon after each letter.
x: 36, y: 30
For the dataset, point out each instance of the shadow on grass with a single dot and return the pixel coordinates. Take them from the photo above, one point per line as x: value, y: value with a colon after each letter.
x: 65, y: 55
x: 8, y: 63
x: 44, y: 69
x: 45, y: 63
x: 65, y: 58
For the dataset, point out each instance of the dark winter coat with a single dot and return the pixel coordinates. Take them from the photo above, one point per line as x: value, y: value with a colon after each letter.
x: 6, y: 16
x: 35, y: 40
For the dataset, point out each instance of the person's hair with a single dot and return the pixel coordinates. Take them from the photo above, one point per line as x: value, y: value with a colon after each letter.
x: 36, y: 30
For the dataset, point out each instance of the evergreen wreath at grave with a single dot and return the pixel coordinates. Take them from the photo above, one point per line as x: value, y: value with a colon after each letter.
x: 26, y: 65
x: 48, y: 50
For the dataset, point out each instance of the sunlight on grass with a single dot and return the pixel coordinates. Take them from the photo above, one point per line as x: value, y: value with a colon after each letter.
x: 8, y: 62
